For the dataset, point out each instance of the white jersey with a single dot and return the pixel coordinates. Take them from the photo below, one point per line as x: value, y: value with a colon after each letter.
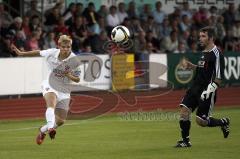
x: 51, y: 56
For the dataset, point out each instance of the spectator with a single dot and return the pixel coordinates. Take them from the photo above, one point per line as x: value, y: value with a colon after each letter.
x: 112, y: 18
x: 5, y: 45
x: 33, y: 11
x: 132, y: 12
x: 237, y: 14
x: 35, y: 23
x: 49, y: 40
x: 102, y: 24
x: 26, y: 26
x: 79, y: 32
x: 20, y: 40
x: 146, y: 12
x: 61, y: 28
x: 164, y: 29
x: 151, y: 25
x: 103, y: 11
x: 193, y: 47
x: 228, y: 40
x: 158, y: 14
x: 236, y: 29
x: 193, y: 36
x: 155, y: 42
x: 135, y: 26
x: 229, y: 16
x: 91, y: 16
x: 98, y: 41
x: 53, y: 18
x: 180, y: 49
x: 5, y: 17
x: 185, y: 24
x: 122, y: 14
x: 221, y: 32
x: 186, y: 10
x: 176, y: 15
x: 79, y: 9
x: 16, y: 25
x: 69, y: 14
x: 200, y: 17
x: 170, y: 43
x: 32, y: 43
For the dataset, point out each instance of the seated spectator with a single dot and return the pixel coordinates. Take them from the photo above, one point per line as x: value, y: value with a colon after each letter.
x: 132, y: 11
x: 186, y: 10
x: 180, y: 49
x: 122, y: 14
x: 32, y: 43
x: 158, y: 14
x: 103, y: 11
x: 33, y: 11
x: 151, y: 25
x: 16, y: 25
x: 91, y: 16
x: 5, y: 18
x: 26, y: 26
x: 69, y: 14
x: 146, y: 12
x: 53, y: 17
x: 79, y: 9
x: 236, y: 29
x: 155, y: 42
x: 170, y: 43
x: 193, y: 47
x: 220, y: 29
x: 98, y: 41
x: 49, y: 40
x: 228, y: 40
x: 5, y: 45
x: 185, y: 24
x: 61, y: 28
x: 165, y: 29
x: 229, y: 16
x: 35, y: 22
x: 112, y: 18
x: 135, y: 27
x: 20, y: 40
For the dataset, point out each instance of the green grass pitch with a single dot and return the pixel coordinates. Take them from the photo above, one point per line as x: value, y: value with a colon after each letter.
x: 120, y: 137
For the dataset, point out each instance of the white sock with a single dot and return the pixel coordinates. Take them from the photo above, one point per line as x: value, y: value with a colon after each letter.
x: 50, y: 117
x: 44, y: 129
x: 55, y: 126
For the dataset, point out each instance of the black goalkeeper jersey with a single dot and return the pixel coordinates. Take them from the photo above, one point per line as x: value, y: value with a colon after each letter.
x: 209, y: 67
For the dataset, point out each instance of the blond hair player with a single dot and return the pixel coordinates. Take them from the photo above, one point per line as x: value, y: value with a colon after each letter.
x: 57, y: 103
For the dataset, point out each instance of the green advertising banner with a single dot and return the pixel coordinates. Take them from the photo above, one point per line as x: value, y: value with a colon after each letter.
x: 181, y: 78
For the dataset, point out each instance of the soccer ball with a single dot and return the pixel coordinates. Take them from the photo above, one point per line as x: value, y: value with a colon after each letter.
x: 120, y: 34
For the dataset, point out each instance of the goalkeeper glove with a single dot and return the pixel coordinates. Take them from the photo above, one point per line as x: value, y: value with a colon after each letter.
x: 212, y: 87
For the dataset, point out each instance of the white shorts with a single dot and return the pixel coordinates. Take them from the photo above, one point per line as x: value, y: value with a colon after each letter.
x: 63, y: 99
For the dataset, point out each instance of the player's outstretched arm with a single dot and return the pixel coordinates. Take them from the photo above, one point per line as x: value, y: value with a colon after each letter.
x: 72, y: 77
x: 187, y: 64
x: 25, y: 53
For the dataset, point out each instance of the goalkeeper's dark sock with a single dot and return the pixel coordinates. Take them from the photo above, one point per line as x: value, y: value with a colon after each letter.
x: 185, y: 128
x: 212, y: 122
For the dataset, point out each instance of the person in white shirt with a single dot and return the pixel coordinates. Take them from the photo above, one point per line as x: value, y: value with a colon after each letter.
x: 122, y: 14
x: 57, y: 102
x: 112, y: 17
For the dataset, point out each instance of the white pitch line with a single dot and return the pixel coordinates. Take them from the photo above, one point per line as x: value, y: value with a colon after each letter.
x: 68, y: 124
x: 75, y: 123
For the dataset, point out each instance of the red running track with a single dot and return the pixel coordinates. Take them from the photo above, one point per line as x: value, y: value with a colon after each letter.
x: 97, y: 103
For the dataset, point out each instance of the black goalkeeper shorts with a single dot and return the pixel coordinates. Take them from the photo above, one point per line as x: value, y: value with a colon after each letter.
x: 192, y: 100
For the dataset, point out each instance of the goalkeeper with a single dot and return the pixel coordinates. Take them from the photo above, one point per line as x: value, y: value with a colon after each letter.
x: 203, y: 91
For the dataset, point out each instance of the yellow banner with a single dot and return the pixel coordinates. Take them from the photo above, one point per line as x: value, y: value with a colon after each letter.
x: 122, y: 72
